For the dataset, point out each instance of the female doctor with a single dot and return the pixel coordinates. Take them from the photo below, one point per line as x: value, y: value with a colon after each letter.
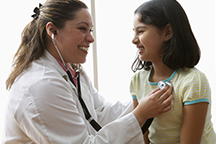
x: 52, y: 100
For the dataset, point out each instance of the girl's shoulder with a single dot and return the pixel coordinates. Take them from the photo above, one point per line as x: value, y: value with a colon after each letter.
x: 190, y: 72
x: 192, y: 75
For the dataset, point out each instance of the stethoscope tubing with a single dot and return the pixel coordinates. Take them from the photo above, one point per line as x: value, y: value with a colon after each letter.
x: 88, y: 116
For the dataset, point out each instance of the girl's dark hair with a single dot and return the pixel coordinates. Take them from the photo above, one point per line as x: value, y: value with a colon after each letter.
x: 182, y: 49
x: 34, y: 36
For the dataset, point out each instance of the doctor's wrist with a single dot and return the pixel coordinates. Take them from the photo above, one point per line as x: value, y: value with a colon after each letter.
x: 141, y: 118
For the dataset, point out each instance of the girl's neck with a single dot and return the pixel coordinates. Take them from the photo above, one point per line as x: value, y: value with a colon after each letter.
x: 159, y: 73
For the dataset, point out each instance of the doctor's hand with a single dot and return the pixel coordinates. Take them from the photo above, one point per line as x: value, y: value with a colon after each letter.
x: 154, y: 104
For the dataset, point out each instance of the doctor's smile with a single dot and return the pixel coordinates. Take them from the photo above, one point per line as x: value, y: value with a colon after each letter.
x: 85, y: 49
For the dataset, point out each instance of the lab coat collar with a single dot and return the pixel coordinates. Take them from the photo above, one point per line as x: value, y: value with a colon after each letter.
x: 52, y: 61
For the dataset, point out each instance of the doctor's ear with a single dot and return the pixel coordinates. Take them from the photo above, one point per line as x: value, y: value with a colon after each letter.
x: 51, y: 29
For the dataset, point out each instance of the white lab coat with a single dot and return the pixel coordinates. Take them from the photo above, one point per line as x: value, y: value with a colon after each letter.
x: 43, y: 108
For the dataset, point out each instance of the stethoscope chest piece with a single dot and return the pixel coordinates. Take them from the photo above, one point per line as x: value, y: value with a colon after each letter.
x: 163, y: 84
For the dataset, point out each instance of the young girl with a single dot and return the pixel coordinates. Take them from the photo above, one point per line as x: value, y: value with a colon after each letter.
x: 168, y: 51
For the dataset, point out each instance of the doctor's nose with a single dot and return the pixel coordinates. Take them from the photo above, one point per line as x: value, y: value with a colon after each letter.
x: 90, y: 38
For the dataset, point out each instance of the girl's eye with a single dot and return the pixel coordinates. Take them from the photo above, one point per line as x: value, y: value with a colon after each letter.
x: 91, y: 30
x: 140, y: 32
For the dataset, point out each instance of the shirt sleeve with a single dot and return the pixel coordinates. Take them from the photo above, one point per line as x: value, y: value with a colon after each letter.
x: 195, y: 88
x: 133, y: 87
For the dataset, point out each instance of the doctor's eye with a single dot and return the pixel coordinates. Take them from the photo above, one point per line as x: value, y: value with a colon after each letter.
x: 83, y: 29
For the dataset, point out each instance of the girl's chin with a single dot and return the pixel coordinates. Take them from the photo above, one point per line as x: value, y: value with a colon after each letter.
x: 141, y: 58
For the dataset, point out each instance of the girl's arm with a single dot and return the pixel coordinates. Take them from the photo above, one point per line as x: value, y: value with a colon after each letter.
x: 193, y: 123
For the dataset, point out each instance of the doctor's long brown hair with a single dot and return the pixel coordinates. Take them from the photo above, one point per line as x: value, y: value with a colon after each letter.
x: 34, y: 36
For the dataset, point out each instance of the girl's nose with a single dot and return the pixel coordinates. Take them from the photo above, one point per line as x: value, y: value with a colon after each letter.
x: 135, y: 40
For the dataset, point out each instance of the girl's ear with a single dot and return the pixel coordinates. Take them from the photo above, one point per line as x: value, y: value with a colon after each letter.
x: 168, y: 32
x: 51, y: 29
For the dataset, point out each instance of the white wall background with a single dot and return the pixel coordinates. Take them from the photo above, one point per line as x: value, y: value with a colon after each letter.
x: 116, y: 53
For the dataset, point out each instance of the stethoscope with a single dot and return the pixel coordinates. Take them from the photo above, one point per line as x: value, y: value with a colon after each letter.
x: 88, y: 116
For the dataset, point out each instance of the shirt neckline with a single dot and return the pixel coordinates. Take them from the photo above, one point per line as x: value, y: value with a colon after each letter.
x: 168, y: 79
